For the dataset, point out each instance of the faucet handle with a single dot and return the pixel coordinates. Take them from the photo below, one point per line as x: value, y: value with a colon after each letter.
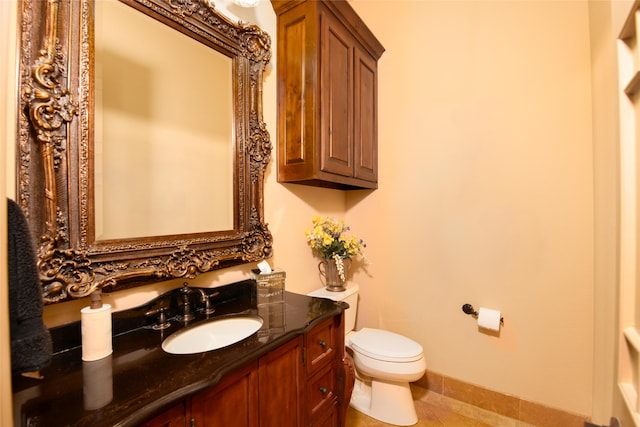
x: 206, y: 299
x: 163, y: 323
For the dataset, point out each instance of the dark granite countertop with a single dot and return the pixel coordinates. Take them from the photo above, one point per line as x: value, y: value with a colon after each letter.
x: 140, y: 379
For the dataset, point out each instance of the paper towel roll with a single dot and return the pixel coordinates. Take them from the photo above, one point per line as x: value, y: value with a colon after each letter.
x: 97, y: 386
x: 489, y: 319
x: 96, y: 332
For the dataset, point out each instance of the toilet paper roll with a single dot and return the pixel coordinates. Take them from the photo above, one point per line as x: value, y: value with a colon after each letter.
x: 97, y: 385
x: 489, y: 319
x: 95, y: 324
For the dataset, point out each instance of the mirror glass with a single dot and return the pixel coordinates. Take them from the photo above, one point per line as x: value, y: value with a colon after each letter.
x: 142, y: 149
x: 163, y: 129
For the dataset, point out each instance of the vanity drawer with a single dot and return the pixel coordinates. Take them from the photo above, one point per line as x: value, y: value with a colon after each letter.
x: 320, y: 345
x: 321, y: 392
x: 328, y: 418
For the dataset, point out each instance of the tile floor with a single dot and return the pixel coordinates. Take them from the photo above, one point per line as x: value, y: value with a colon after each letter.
x: 435, y: 410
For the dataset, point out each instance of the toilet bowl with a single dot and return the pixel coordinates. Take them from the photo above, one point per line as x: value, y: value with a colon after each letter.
x: 385, y: 363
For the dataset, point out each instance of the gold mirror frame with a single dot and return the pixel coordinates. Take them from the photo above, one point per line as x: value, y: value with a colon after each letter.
x: 55, y: 148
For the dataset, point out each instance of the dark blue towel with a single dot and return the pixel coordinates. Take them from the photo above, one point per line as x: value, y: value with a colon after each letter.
x: 31, y: 346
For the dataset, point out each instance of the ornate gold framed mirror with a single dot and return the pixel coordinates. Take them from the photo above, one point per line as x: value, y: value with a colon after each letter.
x: 123, y: 140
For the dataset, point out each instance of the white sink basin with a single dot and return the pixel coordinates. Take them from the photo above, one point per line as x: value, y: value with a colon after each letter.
x: 212, y: 335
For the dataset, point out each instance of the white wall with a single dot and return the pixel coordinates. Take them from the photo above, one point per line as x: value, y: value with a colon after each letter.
x: 486, y: 193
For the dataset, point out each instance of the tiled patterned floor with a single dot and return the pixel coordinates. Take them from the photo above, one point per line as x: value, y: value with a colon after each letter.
x: 435, y: 410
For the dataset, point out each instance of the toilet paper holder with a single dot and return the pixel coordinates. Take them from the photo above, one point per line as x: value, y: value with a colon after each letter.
x: 468, y: 309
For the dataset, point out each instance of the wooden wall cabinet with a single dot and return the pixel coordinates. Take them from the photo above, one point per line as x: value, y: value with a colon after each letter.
x: 327, y: 95
x: 297, y: 384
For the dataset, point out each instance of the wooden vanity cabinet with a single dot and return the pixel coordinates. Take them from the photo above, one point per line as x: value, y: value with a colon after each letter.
x: 327, y: 95
x: 297, y: 384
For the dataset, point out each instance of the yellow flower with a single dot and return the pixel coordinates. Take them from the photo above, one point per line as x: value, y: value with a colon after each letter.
x: 327, y: 237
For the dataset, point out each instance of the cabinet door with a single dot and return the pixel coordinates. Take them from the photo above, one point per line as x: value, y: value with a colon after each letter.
x: 280, y: 383
x: 365, y: 117
x: 296, y: 93
x: 174, y: 417
x: 233, y: 402
x: 336, y: 97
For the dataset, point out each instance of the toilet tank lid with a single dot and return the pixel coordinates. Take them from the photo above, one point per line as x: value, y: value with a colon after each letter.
x: 335, y: 296
x: 385, y: 345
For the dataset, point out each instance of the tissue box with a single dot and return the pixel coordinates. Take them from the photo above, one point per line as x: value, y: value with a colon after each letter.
x: 270, y: 289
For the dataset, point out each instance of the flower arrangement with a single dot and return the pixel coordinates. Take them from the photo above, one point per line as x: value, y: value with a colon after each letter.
x: 327, y: 237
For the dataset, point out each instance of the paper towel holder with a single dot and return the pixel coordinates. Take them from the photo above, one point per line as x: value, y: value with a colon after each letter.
x: 468, y: 309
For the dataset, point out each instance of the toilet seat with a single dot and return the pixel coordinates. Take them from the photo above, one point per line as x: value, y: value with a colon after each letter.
x: 385, y: 346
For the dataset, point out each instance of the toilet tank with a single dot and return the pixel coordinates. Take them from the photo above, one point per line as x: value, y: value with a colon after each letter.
x: 350, y: 296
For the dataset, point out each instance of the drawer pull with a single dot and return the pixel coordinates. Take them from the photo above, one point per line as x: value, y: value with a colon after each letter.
x: 322, y: 343
x: 323, y: 390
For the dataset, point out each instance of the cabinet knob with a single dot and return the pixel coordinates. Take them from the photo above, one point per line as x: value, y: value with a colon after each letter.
x: 323, y: 390
x: 322, y: 343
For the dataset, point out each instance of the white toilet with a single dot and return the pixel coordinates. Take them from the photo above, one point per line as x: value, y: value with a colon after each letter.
x: 385, y: 364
